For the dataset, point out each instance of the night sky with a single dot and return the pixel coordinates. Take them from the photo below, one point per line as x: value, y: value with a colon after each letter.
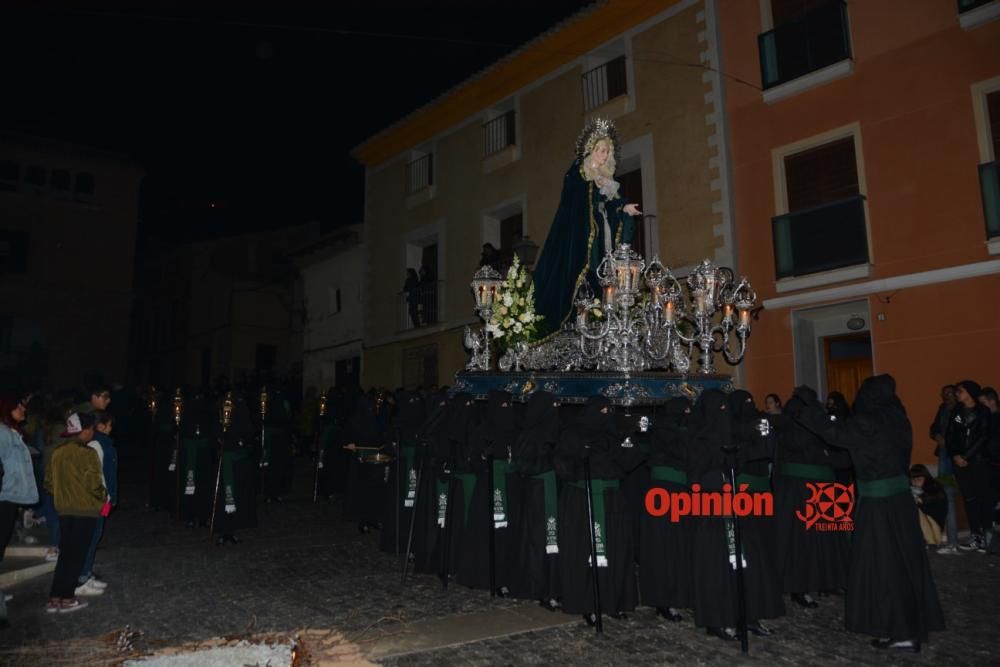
x: 253, y: 109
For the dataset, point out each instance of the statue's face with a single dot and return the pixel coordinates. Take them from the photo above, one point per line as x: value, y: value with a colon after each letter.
x: 600, y: 154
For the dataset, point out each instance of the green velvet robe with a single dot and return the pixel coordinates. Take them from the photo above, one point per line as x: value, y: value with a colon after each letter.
x: 575, y: 246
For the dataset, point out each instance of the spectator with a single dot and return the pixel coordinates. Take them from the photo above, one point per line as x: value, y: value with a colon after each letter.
x: 490, y: 257
x: 772, y: 404
x: 837, y: 406
x: 946, y: 476
x: 989, y: 399
x: 89, y: 583
x: 932, y: 503
x: 18, y: 482
x: 967, y: 441
x: 76, y: 481
x: 412, y: 289
x: 100, y: 399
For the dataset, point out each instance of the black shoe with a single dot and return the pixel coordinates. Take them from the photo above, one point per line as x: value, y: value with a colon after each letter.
x: 905, y: 645
x: 804, y: 600
x: 220, y: 541
x: 759, y: 629
x: 620, y: 616
x: 591, y: 619
x: 364, y: 528
x: 189, y: 524
x: 232, y: 539
x: 669, y: 614
x: 503, y: 592
x: 725, y: 634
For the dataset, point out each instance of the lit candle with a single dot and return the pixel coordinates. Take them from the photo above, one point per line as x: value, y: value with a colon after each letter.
x: 700, y: 303
x: 609, y: 295
x: 744, y: 318
x: 669, y: 313
x: 727, y: 312
x: 621, y: 277
x: 635, y: 276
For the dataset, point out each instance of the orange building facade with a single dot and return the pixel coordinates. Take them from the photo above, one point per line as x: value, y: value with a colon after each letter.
x: 863, y: 141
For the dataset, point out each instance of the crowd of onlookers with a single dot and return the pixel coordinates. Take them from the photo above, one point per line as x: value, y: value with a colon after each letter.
x: 59, y: 468
x: 966, y: 429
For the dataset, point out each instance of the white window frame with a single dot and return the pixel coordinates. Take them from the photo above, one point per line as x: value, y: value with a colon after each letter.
x: 984, y: 133
x: 778, y: 156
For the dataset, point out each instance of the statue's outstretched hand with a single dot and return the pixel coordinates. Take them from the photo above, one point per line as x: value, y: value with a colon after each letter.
x: 632, y: 209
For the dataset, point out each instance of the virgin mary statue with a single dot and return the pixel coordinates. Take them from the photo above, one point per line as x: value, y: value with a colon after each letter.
x: 591, y: 220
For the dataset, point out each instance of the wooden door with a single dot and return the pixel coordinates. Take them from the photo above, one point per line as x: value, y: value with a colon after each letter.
x: 848, y: 361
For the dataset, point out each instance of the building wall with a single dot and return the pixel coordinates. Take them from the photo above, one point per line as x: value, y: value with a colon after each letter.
x: 75, y: 295
x: 667, y: 125
x: 330, y: 336
x: 910, y: 101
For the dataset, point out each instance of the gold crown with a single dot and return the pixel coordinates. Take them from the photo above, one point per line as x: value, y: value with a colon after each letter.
x: 595, y: 130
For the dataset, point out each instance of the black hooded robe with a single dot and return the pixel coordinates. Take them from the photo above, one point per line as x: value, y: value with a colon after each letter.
x: 890, y: 590
x: 593, y: 435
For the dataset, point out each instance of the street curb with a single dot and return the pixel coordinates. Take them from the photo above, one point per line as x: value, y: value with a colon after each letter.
x: 25, y: 552
x: 25, y: 574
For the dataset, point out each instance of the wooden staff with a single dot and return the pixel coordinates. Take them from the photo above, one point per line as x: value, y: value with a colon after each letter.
x: 153, y: 408
x: 178, y: 412
x: 264, y: 464
x: 598, y: 622
x: 319, y: 445
x: 226, y: 419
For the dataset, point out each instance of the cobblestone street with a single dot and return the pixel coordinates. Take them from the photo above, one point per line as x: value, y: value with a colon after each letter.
x: 308, y: 567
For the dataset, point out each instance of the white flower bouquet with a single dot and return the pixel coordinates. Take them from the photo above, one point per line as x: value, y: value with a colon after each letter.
x: 514, y: 319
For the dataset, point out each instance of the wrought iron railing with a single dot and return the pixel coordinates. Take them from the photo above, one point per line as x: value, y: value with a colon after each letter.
x: 420, y: 305
x: 420, y: 174
x: 821, y: 238
x: 989, y: 184
x: 803, y: 45
x: 499, y: 133
x: 604, y: 83
x: 968, y: 5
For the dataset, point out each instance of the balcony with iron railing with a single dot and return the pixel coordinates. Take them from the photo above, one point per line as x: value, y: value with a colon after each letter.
x: 804, y: 45
x: 420, y: 174
x: 989, y: 185
x: 499, y: 133
x: 822, y: 238
x: 421, y: 306
x: 604, y: 83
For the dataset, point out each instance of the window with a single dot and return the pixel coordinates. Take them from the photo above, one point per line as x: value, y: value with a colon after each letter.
x: 604, y: 83
x: 61, y: 181
x: 511, y: 231
x: 825, y: 227
x: 347, y: 372
x: 35, y: 176
x: 808, y: 35
x: 499, y: 133
x: 420, y: 173
x: 84, y: 190
x: 10, y: 174
x: 13, y: 252
x: 989, y: 172
x: 335, y: 303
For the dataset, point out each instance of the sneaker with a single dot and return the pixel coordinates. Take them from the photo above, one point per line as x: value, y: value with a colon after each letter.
x: 52, y: 555
x: 971, y: 545
x: 70, y: 605
x: 949, y: 550
x: 88, y: 589
x: 53, y: 606
x: 92, y: 580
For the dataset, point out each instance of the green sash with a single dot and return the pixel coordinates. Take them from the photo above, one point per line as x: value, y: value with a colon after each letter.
x: 668, y: 474
x: 500, y: 469
x: 807, y: 471
x: 598, y: 486
x: 755, y: 483
x: 468, y: 482
x: 410, y: 471
x: 441, y: 488
x: 191, y: 447
x: 228, y: 459
x: 551, y: 511
x: 883, y: 488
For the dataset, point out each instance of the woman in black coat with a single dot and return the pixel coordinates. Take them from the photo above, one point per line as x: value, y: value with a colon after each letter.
x: 890, y: 591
